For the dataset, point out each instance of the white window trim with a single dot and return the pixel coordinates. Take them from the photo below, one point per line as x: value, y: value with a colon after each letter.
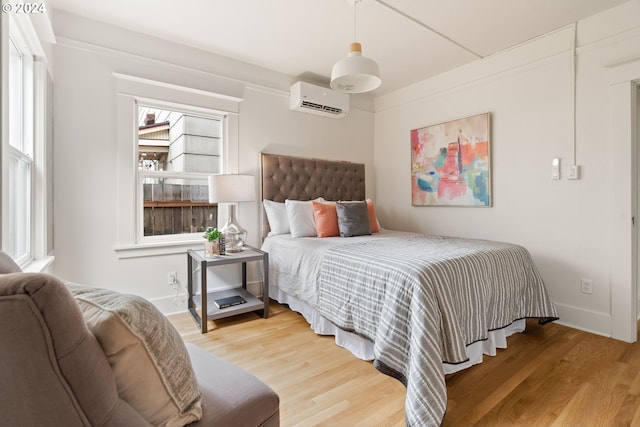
x: 22, y: 32
x: 41, y: 226
x: 132, y: 91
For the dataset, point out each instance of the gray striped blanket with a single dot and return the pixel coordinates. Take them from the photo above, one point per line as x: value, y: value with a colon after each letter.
x: 422, y: 299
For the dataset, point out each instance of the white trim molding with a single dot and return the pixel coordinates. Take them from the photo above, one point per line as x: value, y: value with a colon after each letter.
x: 623, y: 80
x: 130, y: 91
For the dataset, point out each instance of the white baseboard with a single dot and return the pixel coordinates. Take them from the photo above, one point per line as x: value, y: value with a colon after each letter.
x: 172, y: 304
x: 169, y: 304
x: 585, y: 320
x: 574, y: 317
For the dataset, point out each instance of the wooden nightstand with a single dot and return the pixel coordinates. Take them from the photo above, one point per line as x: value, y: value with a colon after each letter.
x: 206, y: 299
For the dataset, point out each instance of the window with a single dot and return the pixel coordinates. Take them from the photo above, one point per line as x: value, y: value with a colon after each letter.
x: 171, y: 166
x: 17, y: 242
x: 25, y: 205
x: 176, y: 150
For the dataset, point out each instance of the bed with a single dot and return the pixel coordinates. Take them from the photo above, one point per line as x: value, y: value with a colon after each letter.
x: 419, y: 306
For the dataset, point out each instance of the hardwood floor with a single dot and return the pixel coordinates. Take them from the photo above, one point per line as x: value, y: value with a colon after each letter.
x: 549, y: 376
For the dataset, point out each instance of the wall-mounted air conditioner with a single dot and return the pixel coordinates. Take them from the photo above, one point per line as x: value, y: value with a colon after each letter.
x: 312, y: 99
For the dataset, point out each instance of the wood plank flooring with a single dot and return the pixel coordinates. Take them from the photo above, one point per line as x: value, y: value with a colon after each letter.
x: 549, y: 376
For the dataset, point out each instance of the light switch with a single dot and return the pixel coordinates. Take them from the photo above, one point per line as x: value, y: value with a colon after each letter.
x: 555, y: 168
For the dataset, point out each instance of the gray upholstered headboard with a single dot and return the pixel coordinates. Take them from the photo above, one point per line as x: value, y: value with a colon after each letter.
x: 297, y: 178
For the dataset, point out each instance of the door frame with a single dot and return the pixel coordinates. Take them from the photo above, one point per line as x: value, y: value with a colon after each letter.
x: 624, y: 81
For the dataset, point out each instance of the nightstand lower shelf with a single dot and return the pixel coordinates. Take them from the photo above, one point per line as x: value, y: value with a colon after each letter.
x: 213, y: 312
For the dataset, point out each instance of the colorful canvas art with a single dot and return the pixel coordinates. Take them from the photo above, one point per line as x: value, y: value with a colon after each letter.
x: 451, y: 164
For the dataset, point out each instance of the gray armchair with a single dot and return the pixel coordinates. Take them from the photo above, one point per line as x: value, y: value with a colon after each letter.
x: 55, y: 373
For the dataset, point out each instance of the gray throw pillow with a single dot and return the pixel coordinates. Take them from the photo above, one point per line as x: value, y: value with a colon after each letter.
x: 353, y: 218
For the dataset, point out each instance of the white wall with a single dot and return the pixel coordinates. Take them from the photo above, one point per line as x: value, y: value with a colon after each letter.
x: 85, y: 156
x: 565, y: 224
x: 527, y: 90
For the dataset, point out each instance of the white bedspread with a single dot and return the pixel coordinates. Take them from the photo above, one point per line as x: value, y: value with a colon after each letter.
x: 294, y: 271
x: 294, y: 263
x: 314, y: 275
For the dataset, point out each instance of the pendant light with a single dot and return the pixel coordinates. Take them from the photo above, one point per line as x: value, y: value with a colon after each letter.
x: 355, y: 73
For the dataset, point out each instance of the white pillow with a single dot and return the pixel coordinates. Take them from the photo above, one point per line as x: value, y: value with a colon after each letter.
x: 277, y: 216
x: 300, y: 216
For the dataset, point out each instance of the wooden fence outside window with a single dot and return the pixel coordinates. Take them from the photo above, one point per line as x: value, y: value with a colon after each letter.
x: 177, y: 209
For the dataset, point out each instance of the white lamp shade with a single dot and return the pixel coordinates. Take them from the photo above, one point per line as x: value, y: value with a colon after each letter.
x: 232, y: 188
x: 355, y: 73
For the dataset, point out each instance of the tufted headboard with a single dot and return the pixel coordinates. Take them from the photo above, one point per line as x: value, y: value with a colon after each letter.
x: 297, y: 178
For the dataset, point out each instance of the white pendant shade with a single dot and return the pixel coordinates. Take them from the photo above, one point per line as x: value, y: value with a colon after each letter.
x: 355, y: 73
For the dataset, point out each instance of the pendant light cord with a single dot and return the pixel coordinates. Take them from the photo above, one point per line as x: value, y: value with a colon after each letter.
x: 355, y: 4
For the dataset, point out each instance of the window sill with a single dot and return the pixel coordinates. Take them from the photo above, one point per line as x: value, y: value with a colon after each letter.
x: 156, y: 249
x: 39, y: 265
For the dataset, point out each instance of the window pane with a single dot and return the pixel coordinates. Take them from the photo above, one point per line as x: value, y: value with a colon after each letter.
x: 175, y: 141
x: 19, y: 207
x: 177, y: 206
x: 15, y: 97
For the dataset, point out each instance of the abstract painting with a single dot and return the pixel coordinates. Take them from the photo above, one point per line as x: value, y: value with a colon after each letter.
x: 451, y: 163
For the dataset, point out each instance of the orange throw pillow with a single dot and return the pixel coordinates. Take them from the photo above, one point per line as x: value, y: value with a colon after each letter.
x: 326, y: 218
x: 373, y: 220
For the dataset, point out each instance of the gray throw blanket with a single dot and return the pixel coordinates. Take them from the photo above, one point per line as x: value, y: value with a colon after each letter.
x: 422, y: 299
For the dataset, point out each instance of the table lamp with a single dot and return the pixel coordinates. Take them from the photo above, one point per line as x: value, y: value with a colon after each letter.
x: 230, y: 188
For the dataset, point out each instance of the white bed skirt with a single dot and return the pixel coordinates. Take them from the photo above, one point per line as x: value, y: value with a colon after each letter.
x: 362, y: 348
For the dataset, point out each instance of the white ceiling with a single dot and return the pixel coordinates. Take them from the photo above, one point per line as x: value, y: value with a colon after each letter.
x: 304, y: 38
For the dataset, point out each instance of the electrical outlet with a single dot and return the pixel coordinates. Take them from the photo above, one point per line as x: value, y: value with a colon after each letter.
x: 172, y: 277
x: 587, y: 286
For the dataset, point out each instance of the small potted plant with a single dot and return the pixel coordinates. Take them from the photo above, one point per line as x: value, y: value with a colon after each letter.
x: 212, y: 245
